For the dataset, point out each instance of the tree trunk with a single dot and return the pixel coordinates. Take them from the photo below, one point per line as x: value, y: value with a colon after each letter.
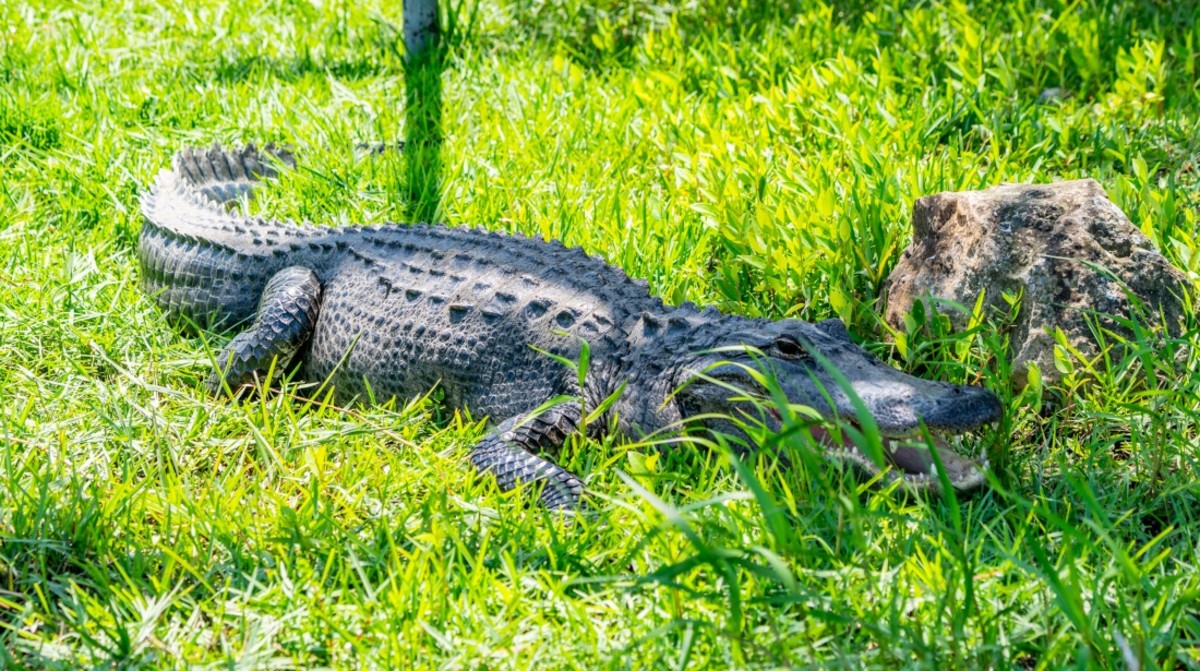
x: 420, y: 26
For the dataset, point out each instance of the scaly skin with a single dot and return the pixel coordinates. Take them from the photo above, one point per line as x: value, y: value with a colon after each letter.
x: 392, y: 311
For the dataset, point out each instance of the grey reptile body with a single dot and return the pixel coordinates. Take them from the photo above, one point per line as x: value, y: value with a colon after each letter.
x: 395, y: 310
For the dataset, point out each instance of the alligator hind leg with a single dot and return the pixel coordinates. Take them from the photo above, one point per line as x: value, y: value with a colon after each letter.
x: 287, y: 313
x: 508, y: 453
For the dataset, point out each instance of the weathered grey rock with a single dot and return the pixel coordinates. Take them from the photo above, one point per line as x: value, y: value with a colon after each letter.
x: 1039, y: 239
x: 1053, y: 95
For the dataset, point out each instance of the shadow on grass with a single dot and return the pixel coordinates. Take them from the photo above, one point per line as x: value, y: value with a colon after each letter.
x: 423, y: 133
x: 246, y: 67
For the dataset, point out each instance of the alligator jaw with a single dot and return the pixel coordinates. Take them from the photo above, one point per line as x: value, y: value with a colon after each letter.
x: 911, y: 460
x: 909, y: 456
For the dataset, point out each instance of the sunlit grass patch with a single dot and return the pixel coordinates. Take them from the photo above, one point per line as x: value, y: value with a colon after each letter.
x: 762, y: 157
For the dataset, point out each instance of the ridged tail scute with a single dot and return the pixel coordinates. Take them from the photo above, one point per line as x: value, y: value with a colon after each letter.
x: 193, y: 196
x: 201, y: 261
x: 223, y: 175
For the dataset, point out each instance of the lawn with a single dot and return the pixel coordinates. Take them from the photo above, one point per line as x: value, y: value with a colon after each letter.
x: 761, y: 157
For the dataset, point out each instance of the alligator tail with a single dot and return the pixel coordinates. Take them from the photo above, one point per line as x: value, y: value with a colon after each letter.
x: 192, y: 199
x: 223, y: 176
x: 204, y: 263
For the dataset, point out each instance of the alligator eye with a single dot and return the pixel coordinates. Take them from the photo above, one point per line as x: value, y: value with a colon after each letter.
x: 788, y: 348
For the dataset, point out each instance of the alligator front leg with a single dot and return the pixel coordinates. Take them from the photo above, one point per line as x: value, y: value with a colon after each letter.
x: 509, y: 453
x: 287, y: 313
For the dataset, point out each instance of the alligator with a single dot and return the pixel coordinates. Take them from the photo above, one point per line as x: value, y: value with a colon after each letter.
x: 393, y: 311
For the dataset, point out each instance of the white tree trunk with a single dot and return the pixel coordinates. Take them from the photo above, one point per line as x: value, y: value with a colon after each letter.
x: 420, y: 26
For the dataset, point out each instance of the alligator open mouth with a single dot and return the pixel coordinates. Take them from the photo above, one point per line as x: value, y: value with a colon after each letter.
x: 909, y: 458
x: 912, y: 460
x: 919, y: 420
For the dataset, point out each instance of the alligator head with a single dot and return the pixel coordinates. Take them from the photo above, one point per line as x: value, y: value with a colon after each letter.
x: 801, y: 355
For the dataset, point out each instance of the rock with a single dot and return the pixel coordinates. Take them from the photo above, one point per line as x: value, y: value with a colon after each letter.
x: 1053, y: 95
x: 1039, y: 239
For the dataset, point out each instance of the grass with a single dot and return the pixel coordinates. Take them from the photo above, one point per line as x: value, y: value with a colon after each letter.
x: 762, y: 157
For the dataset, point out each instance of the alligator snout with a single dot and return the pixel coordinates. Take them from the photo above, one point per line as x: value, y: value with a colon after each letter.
x: 961, y: 408
x: 818, y: 366
x: 900, y: 404
x: 944, y: 410
x: 903, y: 408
